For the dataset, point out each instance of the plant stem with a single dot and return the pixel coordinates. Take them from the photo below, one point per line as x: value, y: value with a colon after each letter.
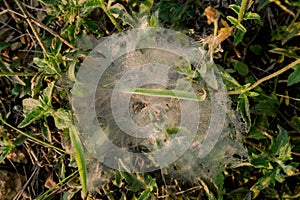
x: 28, y: 19
x: 289, y: 66
x: 56, y: 185
x: 112, y: 19
x: 40, y: 24
x: 242, y: 11
x: 16, y: 74
x: 214, y: 38
x: 278, y: 3
x: 33, y: 138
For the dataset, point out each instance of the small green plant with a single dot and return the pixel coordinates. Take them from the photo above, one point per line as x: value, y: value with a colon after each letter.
x: 142, y: 185
x: 274, y: 164
x: 76, y: 14
x: 41, y: 109
x: 243, y: 15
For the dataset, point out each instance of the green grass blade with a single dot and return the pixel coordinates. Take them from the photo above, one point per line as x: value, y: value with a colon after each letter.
x: 79, y: 157
x: 56, y: 185
x: 33, y: 138
x: 178, y: 94
x: 16, y: 74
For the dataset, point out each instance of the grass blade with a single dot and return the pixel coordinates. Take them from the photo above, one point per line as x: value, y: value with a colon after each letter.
x: 33, y: 138
x: 55, y: 186
x: 170, y: 93
x: 79, y: 157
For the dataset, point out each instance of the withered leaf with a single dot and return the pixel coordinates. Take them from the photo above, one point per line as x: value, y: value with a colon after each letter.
x: 211, y: 14
x: 223, y: 34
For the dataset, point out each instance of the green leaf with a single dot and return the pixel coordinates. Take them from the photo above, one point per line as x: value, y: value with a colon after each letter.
x: 238, y: 37
x: 184, y: 67
x: 119, y: 11
x: 37, y: 83
x: 279, y: 142
x: 150, y: 186
x: 40, y: 62
x: 286, y: 33
x: 70, y: 15
x: 32, y: 116
x: 266, y: 104
x: 145, y: 195
x: 69, y: 195
x: 172, y: 130
x: 118, y: 179
x: 259, y: 126
x: 154, y: 20
x: 145, y: 7
x: 46, y: 131
x: 21, y: 139
x: 21, y: 90
x: 264, y: 182
x: 92, y: 26
x: 71, y: 33
x: 240, y: 67
x: 279, y: 176
x: 295, y: 3
x: 56, y: 46
x: 62, y: 118
x: 241, y: 27
x: 208, y: 69
x: 289, y: 169
x: 30, y: 104
x: 294, y: 77
x: 235, y: 22
x: 71, y: 71
x: 292, y: 31
x: 172, y: 12
x: 256, y: 49
x: 251, y: 15
x: 229, y: 81
x: 235, y: 8
x: 89, y: 6
x: 219, y: 183
x: 79, y: 157
x: 49, y: 66
x: 5, y: 148
x: 244, y: 108
x: 47, y: 93
x: 135, y: 182
x: 260, y: 161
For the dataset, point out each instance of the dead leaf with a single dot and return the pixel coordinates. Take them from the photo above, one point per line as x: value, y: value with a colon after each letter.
x: 17, y: 156
x: 223, y: 34
x: 49, y: 182
x: 224, y: 23
x: 211, y: 14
